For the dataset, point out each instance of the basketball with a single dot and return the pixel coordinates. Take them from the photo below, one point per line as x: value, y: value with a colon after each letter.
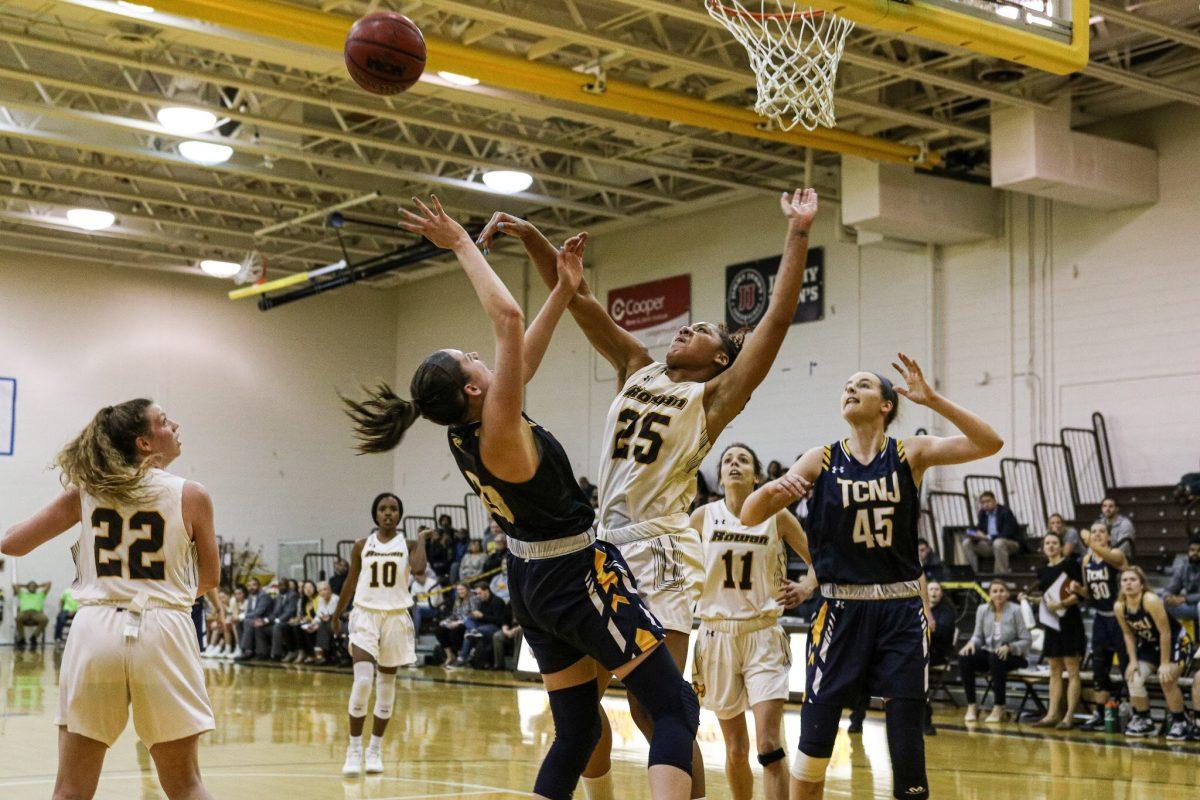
x: 385, y: 52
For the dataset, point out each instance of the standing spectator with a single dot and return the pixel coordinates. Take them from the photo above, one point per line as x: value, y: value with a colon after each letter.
x: 453, y: 627
x: 1072, y: 543
x: 258, y: 616
x: 437, y: 551
x: 323, y: 635
x: 996, y: 534
x: 341, y: 568
x: 998, y: 645
x: 472, y: 563
x: 481, y: 623
x: 589, y: 491
x: 1182, y: 595
x: 445, y: 524
x: 67, y: 606
x: 495, y: 558
x: 233, y: 622
x: 285, y: 615
x: 1120, y: 527
x: 426, y: 600
x: 510, y: 631
x: 943, y: 632
x: 1062, y: 647
x: 31, y: 612
x: 931, y: 562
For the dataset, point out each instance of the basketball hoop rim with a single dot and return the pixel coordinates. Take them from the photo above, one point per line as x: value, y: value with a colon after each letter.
x: 733, y: 13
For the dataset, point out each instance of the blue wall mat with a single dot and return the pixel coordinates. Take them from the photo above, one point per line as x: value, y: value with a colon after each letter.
x: 8, y: 415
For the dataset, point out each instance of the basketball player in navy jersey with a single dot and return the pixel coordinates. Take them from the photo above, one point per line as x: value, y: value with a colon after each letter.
x: 1102, y: 567
x: 870, y: 635
x: 573, y: 596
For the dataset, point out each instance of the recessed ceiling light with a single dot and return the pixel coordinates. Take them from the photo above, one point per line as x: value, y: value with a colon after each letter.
x: 458, y: 80
x: 135, y: 8
x: 90, y: 219
x: 182, y: 120
x: 507, y: 181
x: 220, y: 269
x: 205, y: 153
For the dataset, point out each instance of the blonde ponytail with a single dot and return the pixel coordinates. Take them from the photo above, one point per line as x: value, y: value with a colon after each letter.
x: 103, y: 459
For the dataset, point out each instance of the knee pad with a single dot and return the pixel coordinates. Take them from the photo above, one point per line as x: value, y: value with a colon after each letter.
x: 671, y: 703
x: 385, y: 695
x: 767, y: 759
x: 364, y: 676
x: 576, y: 713
x: 905, y: 719
x: 1137, y: 686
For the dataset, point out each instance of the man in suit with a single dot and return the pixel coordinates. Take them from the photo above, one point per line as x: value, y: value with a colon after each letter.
x: 995, y: 534
x: 258, y: 616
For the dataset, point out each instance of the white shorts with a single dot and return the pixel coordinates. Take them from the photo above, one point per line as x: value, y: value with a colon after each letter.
x: 158, y: 673
x: 732, y: 672
x: 387, y: 635
x: 669, y: 571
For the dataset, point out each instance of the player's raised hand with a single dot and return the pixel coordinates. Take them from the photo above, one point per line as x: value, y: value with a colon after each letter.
x: 502, y: 223
x: 434, y: 224
x: 570, y: 261
x: 917, y: 390
x: 800, y: 207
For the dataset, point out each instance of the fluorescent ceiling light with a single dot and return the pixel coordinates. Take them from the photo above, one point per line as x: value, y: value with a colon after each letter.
x: 456, y: 79
x: 135, y: 8
x: 1009, y: 12
x: 1034, y: 19
x: 507, y: 181
x: 205, y: 153
x: 182, y: 120
x: 220, y: 269
x: 90, y: 219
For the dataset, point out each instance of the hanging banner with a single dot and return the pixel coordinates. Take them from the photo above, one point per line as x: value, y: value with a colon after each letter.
x: 748, y: 288
x: 653, y: 311
x: 8, y: 415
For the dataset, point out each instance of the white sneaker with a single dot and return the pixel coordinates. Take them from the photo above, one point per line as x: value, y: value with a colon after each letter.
x: 354, y: 759
x: 999, y: 714
x: 972, y: 713
x: 374, y: 761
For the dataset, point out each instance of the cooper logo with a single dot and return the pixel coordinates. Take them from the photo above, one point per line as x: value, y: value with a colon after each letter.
x: 747, y: 297
x: 379, y: 65
x: 636, y: 308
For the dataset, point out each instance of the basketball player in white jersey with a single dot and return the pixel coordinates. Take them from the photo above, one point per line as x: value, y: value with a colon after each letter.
x: 382, y: 637
x: 146, y: 551
x: 660, y: 426
x: 742, y: 654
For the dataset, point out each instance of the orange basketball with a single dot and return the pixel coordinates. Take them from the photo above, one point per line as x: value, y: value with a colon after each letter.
x: 385, y: 52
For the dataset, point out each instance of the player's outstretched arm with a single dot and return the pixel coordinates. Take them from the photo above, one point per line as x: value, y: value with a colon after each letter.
x: 773, y: 496
x: 418, y: 559
x: 977, y: 440
x: 569, y: 266
x: 618, y: 346
x: 1113, y: 555
x: 198, y: 516
x: 727, y: 394
x: 54, y: 519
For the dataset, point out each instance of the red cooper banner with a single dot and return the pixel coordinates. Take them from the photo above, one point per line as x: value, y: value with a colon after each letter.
x: 653, y: 311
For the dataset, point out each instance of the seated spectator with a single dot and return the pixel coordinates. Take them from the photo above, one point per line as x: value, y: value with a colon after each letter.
x: 1120, y: 527
x: 303, y: 626
x: 481, y: 623
x: 996, y: 534
x: 285, y: 616
x: 1072, y: 543
x: 320, y: 629
x: 510, y: 632
x: 426, y: 600
x: 341, y: 568
x: 472, y: 563
x: 453, y: 628
x: 1182, y: 595
x: 215, y: 625
x: 589, y: 491
x: 257, y: 618
x: 31, y: 612
x: 499, y: 550
x: 438, y: 548
x: 499, y: 583
x: 931, y: 562
x: 1063, y: 646
x: 67, y: 606
x: 774, y: 470
x: 998, y: 646
x: 1187, y: 491
x: 943, y: 632
x: 462, y: 540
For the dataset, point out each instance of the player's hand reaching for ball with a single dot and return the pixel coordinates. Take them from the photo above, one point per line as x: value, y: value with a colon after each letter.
x: 503, y: 223
x: 570, y: 262
x: 435, y: 225
x: 792, y: 487
x: 917, y: 390
x: 799, y: 208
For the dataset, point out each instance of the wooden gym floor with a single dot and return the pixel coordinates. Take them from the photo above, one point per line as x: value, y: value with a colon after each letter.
x: 281, y: 732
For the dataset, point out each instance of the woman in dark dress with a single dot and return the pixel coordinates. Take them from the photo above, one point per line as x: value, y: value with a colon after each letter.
x: 1064, y: 647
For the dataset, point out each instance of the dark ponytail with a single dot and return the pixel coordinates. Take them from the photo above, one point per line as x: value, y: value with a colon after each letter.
x: 888, y: 392
x: 381, y: 420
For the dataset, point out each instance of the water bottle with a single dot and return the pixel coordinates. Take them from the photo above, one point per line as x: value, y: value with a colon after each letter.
x: 1110, y: 716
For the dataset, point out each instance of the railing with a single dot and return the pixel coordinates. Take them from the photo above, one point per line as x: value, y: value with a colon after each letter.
x: 948, y: 510
x: 457, y: 515
x: 318, y: 566
x: 413, y: 525
x: 926, y: 529
x: 345, y: 548
x: 477, y: 516
x: 289, y: 561
x: 975, y: 485
x: 1058, y: 479
x: 1023, y: 480
x: 1105, y: 449
x: 1088, y: 464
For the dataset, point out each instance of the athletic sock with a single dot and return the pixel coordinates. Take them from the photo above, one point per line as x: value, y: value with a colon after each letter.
x: 600, y: 788
x: 376, y: 742
x: 356, y: 742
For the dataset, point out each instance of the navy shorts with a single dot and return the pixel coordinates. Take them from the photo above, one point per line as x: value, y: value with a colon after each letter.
x: 877, y: 648
x: 1181, y: 650
x: 582, y: 604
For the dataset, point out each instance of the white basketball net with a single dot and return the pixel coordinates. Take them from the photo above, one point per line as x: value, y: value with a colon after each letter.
x: 794, y: 52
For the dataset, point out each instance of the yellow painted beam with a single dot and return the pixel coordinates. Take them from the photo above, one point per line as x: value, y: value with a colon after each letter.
x: 270, y: 18
x: 972, y: 33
